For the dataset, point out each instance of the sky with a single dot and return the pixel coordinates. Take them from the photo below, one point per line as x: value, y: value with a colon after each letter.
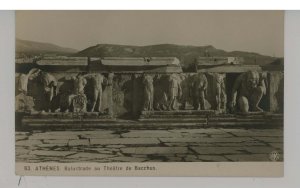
x: 253, y: 31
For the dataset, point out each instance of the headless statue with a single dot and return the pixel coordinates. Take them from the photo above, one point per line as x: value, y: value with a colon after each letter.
x: 174, y: 91
x: 247, y: 92
x: 148, y: 92
x: 97, y: 81
x: 200, y: 87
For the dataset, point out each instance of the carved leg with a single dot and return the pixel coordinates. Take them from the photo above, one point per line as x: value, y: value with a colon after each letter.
x: 171, y: 104
x: 196, y: 101
x: 151, y: 102
x: 202, y: 100
x: 255, y: 99
x: 223, y: 100
x: 218, y: 102
x: 100, y: 100
x: 147, y: 102
x: 243, y: 104
x: 95, y: 97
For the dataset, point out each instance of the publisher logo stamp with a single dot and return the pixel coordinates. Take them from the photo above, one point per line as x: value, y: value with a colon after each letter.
x: 274, y: 156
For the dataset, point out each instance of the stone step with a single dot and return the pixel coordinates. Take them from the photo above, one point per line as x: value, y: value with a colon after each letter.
x: 142, y: 125
x: 179, y: 112
x: 173, y: 116
x: 171, y: 120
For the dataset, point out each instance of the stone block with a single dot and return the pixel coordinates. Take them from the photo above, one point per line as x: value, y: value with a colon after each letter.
x: 125, y: 141
x: 248, y: 157
x: 89, y: 156
x: 154, y: 150
x: 206, y: 140
x: 62, y: 142
x: 270, y: 139
x: 127, y: 159
x: 212, y: 158
x: 216, y: 150
x: 28, y: 143
x: 81, y: 142
x: 259, y: 150
x: 150, y: 134
x: 51, y: 153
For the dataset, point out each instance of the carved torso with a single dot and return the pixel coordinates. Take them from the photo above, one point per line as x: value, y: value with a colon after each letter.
x: 79, y: 84
x: 97, y: 81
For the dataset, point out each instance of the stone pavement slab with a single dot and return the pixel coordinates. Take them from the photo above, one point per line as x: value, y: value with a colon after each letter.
x: 51, y: 153
x: 248, y: 157
x: 125, y: 141
x: 154, y: 150
x: 176, y: 145
x: 89, y: 156
x: 216, y: 150
x: 81, y: 142
x: 212, y: 158
x: 150, y: 134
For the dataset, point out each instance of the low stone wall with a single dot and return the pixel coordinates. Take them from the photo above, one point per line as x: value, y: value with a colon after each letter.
x: 127, y: 92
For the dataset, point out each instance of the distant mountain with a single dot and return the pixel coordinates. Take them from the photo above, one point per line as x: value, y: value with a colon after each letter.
x: 30, y: 48
x: 186, y: 54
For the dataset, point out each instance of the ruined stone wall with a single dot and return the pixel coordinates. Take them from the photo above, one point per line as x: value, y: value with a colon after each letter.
x: 276, y: 91
x: 128, y: 93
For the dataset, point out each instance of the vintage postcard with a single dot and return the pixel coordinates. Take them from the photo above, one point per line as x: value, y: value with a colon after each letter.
x: 149, y: 93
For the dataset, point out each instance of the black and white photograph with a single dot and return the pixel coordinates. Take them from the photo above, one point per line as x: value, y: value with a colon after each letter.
x: 149, y: 87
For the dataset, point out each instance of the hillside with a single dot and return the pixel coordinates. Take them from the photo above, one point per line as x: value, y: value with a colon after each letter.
x: 186, y: 54
x: 31, y: 48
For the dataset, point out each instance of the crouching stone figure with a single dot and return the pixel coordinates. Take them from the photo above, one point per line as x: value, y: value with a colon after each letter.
x: 247, y: 92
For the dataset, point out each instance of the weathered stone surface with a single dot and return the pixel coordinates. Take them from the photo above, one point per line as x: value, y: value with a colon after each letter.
x: 52, y: 145
x: 89, y: 156
x: 191, y: 158
x: 180, y: 140
x: 150, y: 134
x: 225, y: 135
x: 206, y: 140
x: 212, y: 158
x: 187, y: 145
x: 21, y: 151
x: 127, y: 159
x: 224, y: 140
x: 216, y: 150
x: 51, y: 153
x: 262, y: 133
x: 200, y: 130
x: 154, y: 150
x: 270, y: 139
x: 258, y: 149
x: 100, y: 150
x: 174, y: 159
x: 42, y: 136
x: 21, y: 137
x: 195, y: 135
x: 28, y: 143
x: 98, y: 134
x: 176, y: 144
x: 17, y: 133
x: 248, y: 157
x: 241, y: 144
x: 125, y: 141
x: 56, y: 141
x: 276, y: 145
x: 81, y: 142
x: 115, y: 146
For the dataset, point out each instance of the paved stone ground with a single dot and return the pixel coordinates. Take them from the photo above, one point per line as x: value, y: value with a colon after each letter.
x: 178, y: 145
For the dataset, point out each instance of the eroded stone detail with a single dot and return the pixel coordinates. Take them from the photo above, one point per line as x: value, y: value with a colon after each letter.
x: 247, y: 92
x: 148, y: 92
x: 200, y: 84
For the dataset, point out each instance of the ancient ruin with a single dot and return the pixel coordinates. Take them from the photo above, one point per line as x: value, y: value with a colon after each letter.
x: 145, y: 90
